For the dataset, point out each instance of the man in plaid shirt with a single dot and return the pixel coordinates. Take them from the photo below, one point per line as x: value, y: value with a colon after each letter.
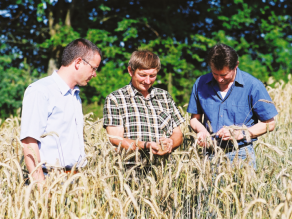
x: 140, y: 111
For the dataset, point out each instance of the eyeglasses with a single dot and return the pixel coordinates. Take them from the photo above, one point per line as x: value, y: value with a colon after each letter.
x: 95, y: 69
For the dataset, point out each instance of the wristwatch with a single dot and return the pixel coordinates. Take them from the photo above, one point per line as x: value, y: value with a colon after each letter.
x: 244, y: 134
x: 145, y: 145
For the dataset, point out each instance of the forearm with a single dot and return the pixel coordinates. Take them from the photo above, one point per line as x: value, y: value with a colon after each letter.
x: 196, y: 125
x: 127, y: 143
x: 254, y: 131
x: 261, y: 128
x: 32, y: 158
x: 177, y: 138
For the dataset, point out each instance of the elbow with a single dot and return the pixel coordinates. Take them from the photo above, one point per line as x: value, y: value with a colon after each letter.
x: 272, y: 125
x: 180, y: 138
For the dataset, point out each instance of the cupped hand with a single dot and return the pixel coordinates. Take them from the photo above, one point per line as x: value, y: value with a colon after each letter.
x: 226, y: 135
x: 202, y: 138
x: 166, y: 144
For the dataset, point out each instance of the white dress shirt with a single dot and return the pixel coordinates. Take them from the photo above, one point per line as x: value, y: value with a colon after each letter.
x: 49, y: 105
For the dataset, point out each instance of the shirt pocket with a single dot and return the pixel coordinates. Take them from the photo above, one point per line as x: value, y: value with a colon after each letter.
x: 165, y: 123
x: 241, y: 112
x: 208, y: 109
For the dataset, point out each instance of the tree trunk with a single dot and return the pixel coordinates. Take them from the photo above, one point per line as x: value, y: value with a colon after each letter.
x: 52, y: 66
x: 53, y: 28
x: 169, y: 86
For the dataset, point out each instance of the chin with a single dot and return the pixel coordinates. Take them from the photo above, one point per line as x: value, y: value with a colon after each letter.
x: 82, y: 84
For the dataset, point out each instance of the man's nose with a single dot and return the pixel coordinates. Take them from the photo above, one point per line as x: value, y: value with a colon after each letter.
x: 147, y: 80
x: 220, y: 79
x: 94, y: 74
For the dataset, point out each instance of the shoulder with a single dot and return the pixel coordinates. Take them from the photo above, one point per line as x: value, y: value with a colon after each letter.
x: 247, y: 77
x: 204, y: 79
x: 118, y: 93
x: 116, y: 97
x: 41, y: 87
x: 162, y: 93
x: 251, y: 81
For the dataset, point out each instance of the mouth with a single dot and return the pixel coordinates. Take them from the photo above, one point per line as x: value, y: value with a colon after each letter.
x: 147, y: 86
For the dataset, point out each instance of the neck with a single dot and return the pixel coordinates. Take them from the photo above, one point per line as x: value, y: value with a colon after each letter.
x: 65, y: 74
x: 226, y: 87
x: 145, y: 94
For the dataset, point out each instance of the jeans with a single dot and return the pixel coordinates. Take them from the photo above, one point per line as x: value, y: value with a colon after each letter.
x: 242, y: 154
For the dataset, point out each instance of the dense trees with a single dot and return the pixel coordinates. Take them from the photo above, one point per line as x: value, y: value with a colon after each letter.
x: 33, y: 34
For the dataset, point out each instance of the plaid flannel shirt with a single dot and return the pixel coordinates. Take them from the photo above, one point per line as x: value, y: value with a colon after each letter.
x: 145, y: 118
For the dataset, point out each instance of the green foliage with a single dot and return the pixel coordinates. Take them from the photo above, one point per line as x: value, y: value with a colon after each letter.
x: 110, y: 78
x: 13, y: 82
x: 180, y: 32
x: 63, y: 37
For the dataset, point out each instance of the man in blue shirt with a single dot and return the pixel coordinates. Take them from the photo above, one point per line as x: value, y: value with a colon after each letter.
x: 52, y: 119
x: 228, y: 96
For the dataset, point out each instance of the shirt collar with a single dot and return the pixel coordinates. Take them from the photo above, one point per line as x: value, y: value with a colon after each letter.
x: 238, y: 77
x: 64, y: 88
x: 132, y: 91
x: 210, y: 78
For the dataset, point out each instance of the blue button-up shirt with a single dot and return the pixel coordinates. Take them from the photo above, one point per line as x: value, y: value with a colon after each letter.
x: 240, y: 106
x: 49, y: 105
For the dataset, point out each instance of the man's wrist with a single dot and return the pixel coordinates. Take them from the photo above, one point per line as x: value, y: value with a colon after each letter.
x: 145, y: 145
x: 243, y: 135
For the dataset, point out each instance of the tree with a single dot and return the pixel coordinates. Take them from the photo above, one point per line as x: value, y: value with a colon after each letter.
x: 180, y: 32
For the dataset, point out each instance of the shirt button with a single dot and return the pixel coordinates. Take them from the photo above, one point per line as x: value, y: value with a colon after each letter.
x: 221, y: 116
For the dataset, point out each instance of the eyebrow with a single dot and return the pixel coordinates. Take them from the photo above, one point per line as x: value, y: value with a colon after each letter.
x: 220, y: 74
x: 146, y: 73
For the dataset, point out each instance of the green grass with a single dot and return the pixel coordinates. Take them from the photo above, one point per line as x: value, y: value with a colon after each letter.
x: 95, y: 108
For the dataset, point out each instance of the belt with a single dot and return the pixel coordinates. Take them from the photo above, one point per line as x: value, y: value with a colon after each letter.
x: 229, y: 148
x: 66, y: 170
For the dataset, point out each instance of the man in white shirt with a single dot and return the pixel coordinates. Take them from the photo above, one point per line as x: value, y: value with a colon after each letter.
x: 52, y: 104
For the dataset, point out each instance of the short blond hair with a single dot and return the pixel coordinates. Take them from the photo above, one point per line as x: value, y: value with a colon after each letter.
x: 144, y: 59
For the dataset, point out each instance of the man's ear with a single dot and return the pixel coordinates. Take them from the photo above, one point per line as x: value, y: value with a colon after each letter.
x: 77, y: 63
x: 237, y: 64
x: 131, y: 73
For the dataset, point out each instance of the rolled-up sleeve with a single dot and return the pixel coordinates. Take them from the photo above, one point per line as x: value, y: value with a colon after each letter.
x: 194, y: 106
x: 34, y: 114
x: 262, y: 103
x: 111, y: 113
x: 176, y: 115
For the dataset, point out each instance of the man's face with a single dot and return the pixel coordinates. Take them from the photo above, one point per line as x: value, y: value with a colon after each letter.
x: 87, y: 69
x: 143, y: 79
x: 224, y: 76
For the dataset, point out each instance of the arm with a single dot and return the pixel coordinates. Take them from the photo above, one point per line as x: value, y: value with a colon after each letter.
x: 31, y: 152
x: 172, y: 142
x: 255, y: 130
x: 199, y: 128
x: 125, y: 142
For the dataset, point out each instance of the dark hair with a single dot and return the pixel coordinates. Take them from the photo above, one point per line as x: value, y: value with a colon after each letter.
x: 144, y: 59
x: 222, y: 55
x: 79, y: 48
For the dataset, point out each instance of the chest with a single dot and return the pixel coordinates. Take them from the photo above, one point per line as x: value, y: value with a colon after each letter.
x: 139, y: 106
x: 65, y: 109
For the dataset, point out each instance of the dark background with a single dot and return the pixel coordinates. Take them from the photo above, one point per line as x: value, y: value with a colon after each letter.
x: 34, y: 33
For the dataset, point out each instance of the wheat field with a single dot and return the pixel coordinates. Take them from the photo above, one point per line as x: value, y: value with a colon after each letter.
x: 186, y: 185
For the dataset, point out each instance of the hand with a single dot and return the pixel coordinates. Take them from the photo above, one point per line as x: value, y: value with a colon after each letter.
x: 166, y: 144
x: 202, y: 138
x: 226, y: 135
x: 156, y: 148
x: 153, y: 145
